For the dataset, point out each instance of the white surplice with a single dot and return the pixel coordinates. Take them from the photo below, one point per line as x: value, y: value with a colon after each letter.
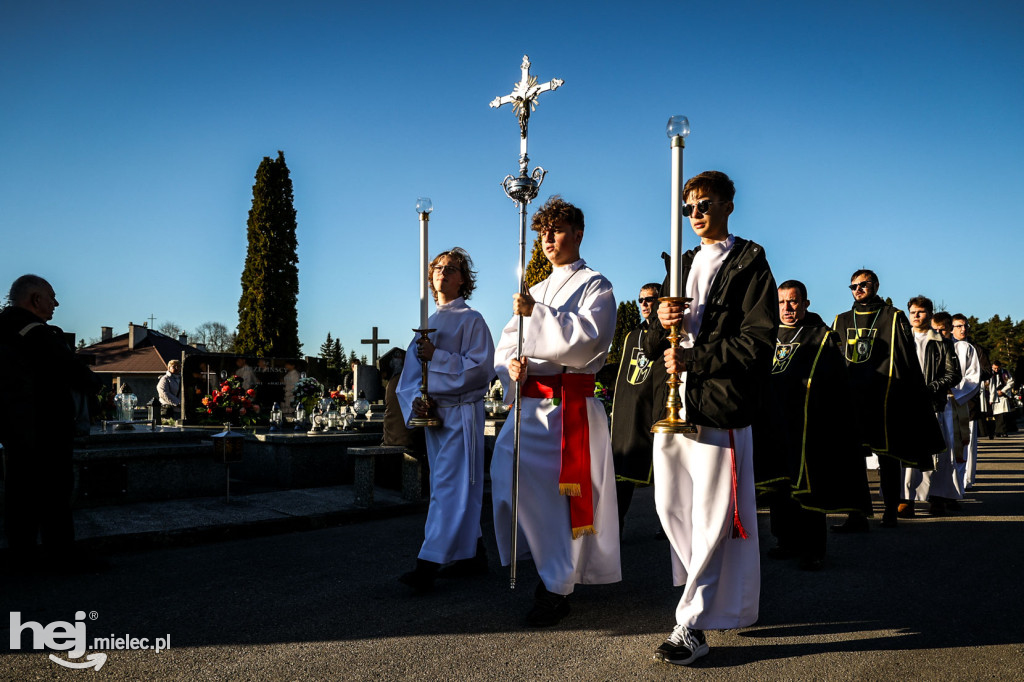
x: 569, y: 331
x: 457, y: 380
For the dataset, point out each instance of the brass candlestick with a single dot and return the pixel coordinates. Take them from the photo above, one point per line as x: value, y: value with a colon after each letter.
x: 671, y: 422
x: 429, y: 420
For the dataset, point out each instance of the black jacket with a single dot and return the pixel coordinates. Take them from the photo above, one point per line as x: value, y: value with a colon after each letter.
x: 729, y: 366
x: 941, y: 369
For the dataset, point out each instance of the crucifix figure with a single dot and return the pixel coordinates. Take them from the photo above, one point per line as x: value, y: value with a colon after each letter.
x: 151, y: 321
x: 523, y: 99
x: 375, y: 342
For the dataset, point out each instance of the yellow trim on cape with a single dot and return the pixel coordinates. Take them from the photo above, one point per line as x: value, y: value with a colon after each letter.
x: 802, y: 474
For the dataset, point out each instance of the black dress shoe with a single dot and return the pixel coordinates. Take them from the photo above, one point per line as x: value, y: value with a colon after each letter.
x: 548, y: 608
x: 467, y: 568
x: 422, y: 579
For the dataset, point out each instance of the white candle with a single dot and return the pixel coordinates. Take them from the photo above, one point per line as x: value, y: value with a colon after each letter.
x: 424, y: 207
x: 677, y: 130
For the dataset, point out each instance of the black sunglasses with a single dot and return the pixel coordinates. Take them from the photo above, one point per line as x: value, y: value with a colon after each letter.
x: 702, y: 206
x: 647, y: 299
x: 861, y: 285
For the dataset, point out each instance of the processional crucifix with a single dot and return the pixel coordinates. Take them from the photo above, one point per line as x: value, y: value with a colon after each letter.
x: 522, y: 189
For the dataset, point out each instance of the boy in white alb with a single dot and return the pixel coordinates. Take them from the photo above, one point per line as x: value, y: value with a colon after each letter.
x: 704, y: 482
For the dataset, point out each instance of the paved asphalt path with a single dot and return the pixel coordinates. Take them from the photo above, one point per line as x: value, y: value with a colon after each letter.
x: 936, y: 599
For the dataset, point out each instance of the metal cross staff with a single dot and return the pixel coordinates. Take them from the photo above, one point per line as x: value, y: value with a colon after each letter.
x: 522, y: 189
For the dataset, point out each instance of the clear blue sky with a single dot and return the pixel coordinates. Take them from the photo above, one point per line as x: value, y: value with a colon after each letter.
x: 879, y: 134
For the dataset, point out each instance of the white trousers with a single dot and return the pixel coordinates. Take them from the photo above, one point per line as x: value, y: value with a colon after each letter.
x: 921, y: 485
x: 971, y: 473
x: 694, y: 497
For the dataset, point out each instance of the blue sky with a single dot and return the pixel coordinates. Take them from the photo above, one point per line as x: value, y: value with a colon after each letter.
x: 870, y: 134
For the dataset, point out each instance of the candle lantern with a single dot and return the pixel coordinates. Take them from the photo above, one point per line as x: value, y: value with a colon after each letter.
x: 673, y: 421
x: 276, y: 418
x: 423, y: 207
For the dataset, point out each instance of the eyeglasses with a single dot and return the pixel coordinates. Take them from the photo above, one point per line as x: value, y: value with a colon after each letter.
x: 861, y: 285
x: 647, y: 299
x: 702, y: 207
x: 959, y: 326
x: 446, y: 269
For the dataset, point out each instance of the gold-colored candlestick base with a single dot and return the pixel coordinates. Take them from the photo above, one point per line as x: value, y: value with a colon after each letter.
x: 431, y: 419
x: 671, y: 423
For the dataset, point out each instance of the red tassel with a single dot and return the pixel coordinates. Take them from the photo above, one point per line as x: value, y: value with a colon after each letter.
x: 737, y: 526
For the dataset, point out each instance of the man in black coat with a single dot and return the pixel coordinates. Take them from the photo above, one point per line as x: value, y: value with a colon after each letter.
x: 37, y: 428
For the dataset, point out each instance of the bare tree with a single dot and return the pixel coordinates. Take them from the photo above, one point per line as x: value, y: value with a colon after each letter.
x: 171, y: 329
x: 215, y: 335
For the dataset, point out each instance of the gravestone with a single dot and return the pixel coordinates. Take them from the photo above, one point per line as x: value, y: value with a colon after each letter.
x: 368, y: 380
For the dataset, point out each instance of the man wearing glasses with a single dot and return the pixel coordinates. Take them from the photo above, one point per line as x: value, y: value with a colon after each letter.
x: 961, y: 332
x: 460, y: 356
x: 633, y: 413
x: 894, y: 414
x: 704, y: 481
x: 957, y: 413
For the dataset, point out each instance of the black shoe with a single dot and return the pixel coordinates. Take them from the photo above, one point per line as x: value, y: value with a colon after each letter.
x: 683, y: 646
x: 853, y: 524
x: 467, y: 568
x: 889, y: 520
x: 781, y: 552
x: 422, y: 579
x: 548, y: 608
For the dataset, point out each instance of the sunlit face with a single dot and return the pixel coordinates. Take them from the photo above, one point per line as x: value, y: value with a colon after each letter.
x: 792, y: 307
x: 646, y: 302
x: 712, y: 225
x: 959, y: 330
x: 863, y: 287
x: 920, y: 319
x: 561, y: 243
x: 446, y: 275
x: 942, y: 328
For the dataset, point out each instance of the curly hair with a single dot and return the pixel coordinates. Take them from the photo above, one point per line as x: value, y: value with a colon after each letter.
x: 555, y: 211
x: 465, y: 263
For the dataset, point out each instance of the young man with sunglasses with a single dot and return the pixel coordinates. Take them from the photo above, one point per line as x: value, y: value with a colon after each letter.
x: 633, y: 411
x: 893, y: 411
x: 704, y: 481
x: 460, y: 357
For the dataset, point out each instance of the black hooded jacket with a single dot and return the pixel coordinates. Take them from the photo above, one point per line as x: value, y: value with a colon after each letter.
x: 730, y: 363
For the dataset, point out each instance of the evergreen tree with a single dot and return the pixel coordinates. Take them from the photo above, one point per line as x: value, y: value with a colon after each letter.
x: 338, y: 354
x: 352, y: 358
x: 327, y: 352
x: 539, y: 267
x: 627, y: 318
x: 267, y: 318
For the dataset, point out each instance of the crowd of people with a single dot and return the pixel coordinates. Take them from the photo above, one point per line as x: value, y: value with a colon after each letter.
x: 778, y: 408
x: 772, y: 402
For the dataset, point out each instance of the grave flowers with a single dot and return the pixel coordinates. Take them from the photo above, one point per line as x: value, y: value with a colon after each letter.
x: 230, y: 403
x: 604, y: 394
x: 307, y: 392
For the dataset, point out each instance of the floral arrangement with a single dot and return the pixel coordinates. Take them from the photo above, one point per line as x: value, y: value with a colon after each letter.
x: 307, y: 392
x: 231, y: 403
x: 339, y: 397
x: 604, y: 394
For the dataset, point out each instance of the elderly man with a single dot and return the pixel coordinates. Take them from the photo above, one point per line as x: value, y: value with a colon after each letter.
x: 43, y: 370
x: 169, y: 391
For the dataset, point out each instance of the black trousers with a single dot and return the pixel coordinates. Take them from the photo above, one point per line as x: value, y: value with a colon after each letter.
x: 798, y: 529
x: 38, y: 485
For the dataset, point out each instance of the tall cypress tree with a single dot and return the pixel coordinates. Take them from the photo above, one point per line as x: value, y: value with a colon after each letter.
x: 327, y: 351
x: 626, y: 320
x: 268, y: 322
x: 538, y: 268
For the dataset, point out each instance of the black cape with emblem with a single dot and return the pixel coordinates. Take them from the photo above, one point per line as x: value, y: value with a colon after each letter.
x: 894, y: 411
x: 805, y: 443
x: 633, y: 412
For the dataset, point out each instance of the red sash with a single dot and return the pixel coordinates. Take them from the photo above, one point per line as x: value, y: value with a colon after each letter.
x: 574, y: 477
